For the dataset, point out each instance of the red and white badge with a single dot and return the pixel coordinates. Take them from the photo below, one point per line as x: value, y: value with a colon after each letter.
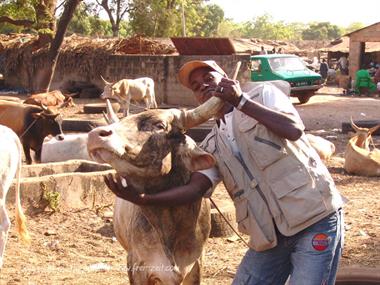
x: 320, y: 242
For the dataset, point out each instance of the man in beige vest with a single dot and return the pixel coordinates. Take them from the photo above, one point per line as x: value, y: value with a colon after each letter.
x: 285, y: 198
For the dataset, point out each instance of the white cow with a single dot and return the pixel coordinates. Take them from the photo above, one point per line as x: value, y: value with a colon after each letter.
x: 323, y: 147
x: 125, y: 90
x: 10, y: 165
x: 74, y: 146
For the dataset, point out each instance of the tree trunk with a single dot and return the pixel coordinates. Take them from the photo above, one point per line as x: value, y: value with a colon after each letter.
x: 44, y: 75
x: 115, y: 31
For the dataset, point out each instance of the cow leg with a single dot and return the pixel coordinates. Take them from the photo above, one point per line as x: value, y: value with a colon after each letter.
x: 126, y: 109
x: 4, y: 228
x: 147, y: 103
x: 26, y: 148
x: 194, y: 276
x: 37, y: 154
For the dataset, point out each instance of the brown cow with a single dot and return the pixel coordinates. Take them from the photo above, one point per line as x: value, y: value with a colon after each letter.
x: 51, y: 99
x: 32, y: 124
x: 164, y: 244
x: 360, y: 159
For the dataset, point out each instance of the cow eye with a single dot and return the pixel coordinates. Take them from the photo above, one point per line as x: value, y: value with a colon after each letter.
x: 160, y: 126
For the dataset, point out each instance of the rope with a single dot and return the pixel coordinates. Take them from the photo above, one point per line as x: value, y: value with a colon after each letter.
x: 228, y: 223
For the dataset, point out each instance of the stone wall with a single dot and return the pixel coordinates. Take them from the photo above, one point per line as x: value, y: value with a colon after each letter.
x: 162, y: 68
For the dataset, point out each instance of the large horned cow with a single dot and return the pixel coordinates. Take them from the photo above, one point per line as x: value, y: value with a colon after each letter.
x: 127, y: 90
x: 360, y: 159
x: 164, y: 244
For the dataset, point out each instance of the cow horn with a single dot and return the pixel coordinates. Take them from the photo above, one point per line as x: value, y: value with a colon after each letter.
x: 110, y: 117
x: 45, y: 108
x: 373, y: 129
x: 202, y: 113
x: 208, y: 109
x: 355, y: 127
x: 105, y: 81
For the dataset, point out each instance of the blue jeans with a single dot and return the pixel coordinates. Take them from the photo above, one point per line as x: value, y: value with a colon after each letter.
x: 310, y: 257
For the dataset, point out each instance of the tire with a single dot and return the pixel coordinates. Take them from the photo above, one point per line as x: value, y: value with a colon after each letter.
x: 358, y: 276
x: 304, y: 98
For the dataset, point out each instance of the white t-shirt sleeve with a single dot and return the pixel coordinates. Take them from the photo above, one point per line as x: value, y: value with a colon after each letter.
x: 215, y: 177
x: 275, y: 99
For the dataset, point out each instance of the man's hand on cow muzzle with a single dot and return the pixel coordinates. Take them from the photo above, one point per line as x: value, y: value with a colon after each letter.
x: 120, y: 187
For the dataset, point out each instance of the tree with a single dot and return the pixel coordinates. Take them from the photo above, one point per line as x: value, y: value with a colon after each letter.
x: 321, y: 31
x: 45, y: 74
x: 227, y: 28
x: 116, y: 10
x: 163, y: 18
x: 41, y: 13
x: 205, y: 21
x: 50, y: 38
x: 353, y: 27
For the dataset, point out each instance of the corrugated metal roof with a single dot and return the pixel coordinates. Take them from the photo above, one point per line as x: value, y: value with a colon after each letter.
x: 343, y: 45
x: 203, y: 46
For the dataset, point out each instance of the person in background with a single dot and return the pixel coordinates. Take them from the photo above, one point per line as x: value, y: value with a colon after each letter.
x: 376, y: 77
x: 285, y: 199
x: 323, y: 69
x: 364, y: 85
x: 280, y: 51
x: 372, y: 69
x: 263, y: 51
x: 342, y: 64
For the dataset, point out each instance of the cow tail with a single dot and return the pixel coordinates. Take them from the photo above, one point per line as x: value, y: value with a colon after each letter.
x: 153, y: 97
x: 20, y: 217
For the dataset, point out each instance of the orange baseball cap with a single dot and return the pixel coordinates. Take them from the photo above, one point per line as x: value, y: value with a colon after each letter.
x: 189, y: 67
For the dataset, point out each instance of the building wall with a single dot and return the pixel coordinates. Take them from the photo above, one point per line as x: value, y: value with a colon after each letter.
x: 368, y: 34
x: 162, y: 68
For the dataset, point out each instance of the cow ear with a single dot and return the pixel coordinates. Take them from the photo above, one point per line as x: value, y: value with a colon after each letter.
x: 195, y: 158
x: 198, y: 159
x: 201, y: 161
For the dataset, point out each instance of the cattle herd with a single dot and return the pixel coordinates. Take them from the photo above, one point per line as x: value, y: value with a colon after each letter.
x: 151, y: 148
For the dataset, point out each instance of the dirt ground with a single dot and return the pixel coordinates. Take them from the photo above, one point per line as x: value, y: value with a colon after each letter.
x: 79, y: 247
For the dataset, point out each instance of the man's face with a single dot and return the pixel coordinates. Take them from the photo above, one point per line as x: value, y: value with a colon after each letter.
x: 203, y: 82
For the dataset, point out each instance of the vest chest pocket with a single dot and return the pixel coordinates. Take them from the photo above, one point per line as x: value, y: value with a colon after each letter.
x: 297, y: 196
x: 265, y: 148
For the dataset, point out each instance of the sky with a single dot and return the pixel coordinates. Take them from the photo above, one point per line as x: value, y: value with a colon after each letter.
x: 338, y: 12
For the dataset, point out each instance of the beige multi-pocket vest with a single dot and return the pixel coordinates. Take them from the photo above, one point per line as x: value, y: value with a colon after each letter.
x: 273, y: 180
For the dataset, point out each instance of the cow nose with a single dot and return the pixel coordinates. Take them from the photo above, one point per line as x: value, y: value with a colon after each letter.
x: 105, y: 133
x: 60, y: 137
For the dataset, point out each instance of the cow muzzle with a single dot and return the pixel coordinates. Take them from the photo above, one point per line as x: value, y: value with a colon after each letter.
x: 60, y: 137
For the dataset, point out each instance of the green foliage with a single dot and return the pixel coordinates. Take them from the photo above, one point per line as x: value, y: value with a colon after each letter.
x: 159, y: 18
x: 205, y: 21
x: 227, y: 28
x: 52, y: 199
x: 15, y: 10
x: 84, y: 23
x: 353, y: 27
x: 264, y: 27
x: 321, y: 31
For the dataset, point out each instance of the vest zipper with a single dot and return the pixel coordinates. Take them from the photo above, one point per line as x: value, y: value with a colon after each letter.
x: 251, y: 177
x: 267, y: 142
